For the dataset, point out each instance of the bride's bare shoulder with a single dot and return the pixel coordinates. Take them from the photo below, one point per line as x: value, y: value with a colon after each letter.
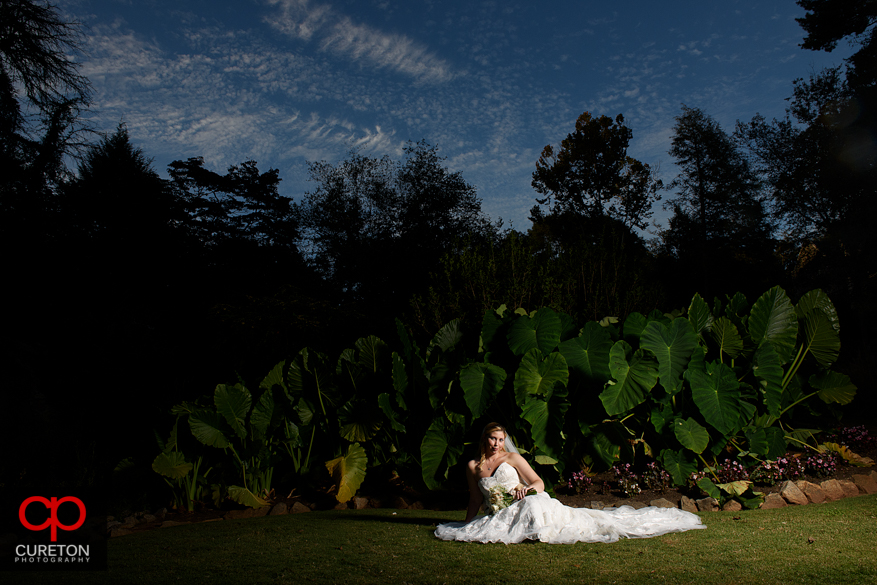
x: 515, y: 459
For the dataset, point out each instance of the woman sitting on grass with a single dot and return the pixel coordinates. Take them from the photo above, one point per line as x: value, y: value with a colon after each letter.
x: 518, y: 508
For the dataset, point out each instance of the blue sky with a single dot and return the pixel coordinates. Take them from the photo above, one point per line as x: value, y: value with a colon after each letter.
x: 284, y: 82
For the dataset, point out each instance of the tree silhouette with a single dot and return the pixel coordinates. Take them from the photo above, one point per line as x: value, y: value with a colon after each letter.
x: 591, y: 174
x: 719, y: 225
x: 829, y: 21
x: 42, y: 96
x: 374, y: 227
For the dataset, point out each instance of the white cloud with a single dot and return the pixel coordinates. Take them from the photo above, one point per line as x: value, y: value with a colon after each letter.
x: 359, y: 43
x: 298, y: 18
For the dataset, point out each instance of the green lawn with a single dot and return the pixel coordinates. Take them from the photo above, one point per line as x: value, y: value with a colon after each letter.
x: 388, y: 546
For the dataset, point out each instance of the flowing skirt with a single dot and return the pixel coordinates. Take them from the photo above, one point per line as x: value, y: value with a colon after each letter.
x: 543, y: 518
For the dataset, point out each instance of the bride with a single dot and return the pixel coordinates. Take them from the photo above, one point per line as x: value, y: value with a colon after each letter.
x: 501, y: 474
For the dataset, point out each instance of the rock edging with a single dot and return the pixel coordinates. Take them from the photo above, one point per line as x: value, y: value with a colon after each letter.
x: 791, y: 493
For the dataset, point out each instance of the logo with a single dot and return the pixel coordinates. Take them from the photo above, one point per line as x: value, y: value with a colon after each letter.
x: 52, y: 506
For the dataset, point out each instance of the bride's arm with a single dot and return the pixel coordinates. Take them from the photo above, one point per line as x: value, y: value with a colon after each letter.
x: 475, y: 497
x: 530, y: 479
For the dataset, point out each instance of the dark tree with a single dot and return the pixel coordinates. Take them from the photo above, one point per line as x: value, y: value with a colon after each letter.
x: 42, y: 96
x: 243, y: 205
x: 591, y: 174
x: 34, y: 46
x: 43, y: 124
x: 349, y: 215
x: 829, y: 21
x: 719, y: 225
x: 818, y: 170
x: 374, y: 227
x: 820, y: 162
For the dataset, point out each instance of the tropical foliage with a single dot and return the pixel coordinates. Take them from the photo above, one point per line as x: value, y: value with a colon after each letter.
x: 690, y: 389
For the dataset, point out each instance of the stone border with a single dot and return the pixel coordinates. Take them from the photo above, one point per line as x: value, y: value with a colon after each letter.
x: 794, y: 493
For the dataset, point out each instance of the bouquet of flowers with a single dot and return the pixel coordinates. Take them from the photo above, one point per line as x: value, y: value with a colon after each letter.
x: 499, y: 498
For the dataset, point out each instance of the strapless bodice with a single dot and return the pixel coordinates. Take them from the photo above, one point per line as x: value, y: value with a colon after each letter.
x: 505, y: 475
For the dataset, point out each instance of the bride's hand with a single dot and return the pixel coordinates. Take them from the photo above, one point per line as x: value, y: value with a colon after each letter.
x: 520, y: 491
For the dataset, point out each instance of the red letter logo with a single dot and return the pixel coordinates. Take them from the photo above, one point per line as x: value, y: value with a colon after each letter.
x: 51, y: 505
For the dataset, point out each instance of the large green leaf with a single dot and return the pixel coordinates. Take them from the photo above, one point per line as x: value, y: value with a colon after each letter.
x: 726, y: 335
x: 274, y: 377
x: 490, y: 326
x: 360, y: 421
x: 172, y: 441
x: 310, y: 376
x: 349, y: 370
x: 541, y: 331
x: 546, y: 417
x: 767, y: 368
x: 700, y: 316
x: 605, y: 443
x: 439, y: 450
x: 834, y: 387
x: 263, y: 412
x: 440, y: 378
x: 408, y: 347
x: 635, y: 375
x: 633, y: 327
x: 817, y: 299
x: 348, y: 471
x: 735, y: 488
x: 707, y: 485
x: 768, y: 442
x: 757, y: 440
x: 716, y: 392
x: 568, y: 327
x: 776, y: 442
x: 821, y: 339
x: 400, y: 379
x: 672, y: 345
x: 172, y: 464
x: 233, y: 403
x: 660, y: 416
x: 679, y: 464
x: 447, y: 337
x: 291, y: 433
x: 737, y: 307
x: 773, y: 319
x: 305, y: 411
x: 385, y: 403
x: 209, y: 427
x: 539, y: 376
x: 481, y: 383
x: 691, y: 435
x: 245, y: 497
x: 372, y: 353
x: 588, y: 354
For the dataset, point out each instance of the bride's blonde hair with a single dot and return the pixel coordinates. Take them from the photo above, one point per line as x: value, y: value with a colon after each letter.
x: 483, y: 445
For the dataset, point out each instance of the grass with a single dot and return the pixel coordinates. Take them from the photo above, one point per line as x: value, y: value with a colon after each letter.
x: 827, y: 543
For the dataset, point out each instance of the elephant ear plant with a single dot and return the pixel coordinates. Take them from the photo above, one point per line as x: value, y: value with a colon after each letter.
x: 248, y: 430
x: 746, y: 375
x: 310, y: 418
x: 688, y: 389
x: 685, y: 388
x: 186, y: 479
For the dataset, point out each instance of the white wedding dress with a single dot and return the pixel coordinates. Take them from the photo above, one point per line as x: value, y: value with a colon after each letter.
x: 540, y: 517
